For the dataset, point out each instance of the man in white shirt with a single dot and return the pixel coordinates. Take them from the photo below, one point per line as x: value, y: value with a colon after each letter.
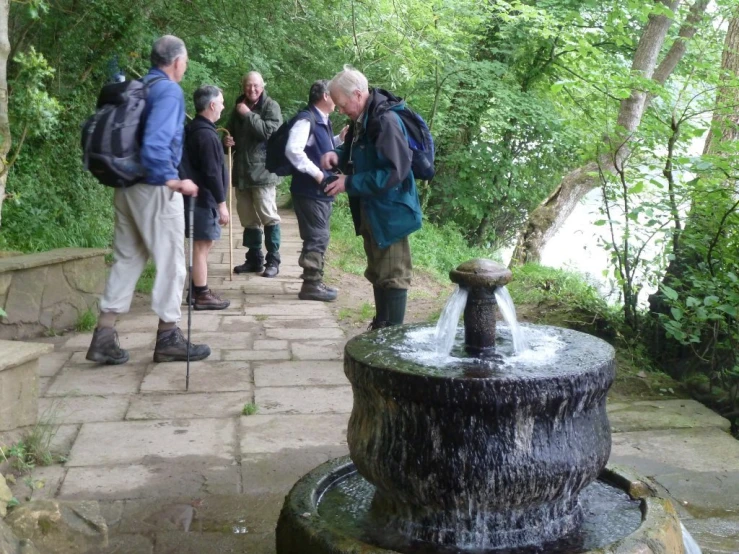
x: 310, y: 137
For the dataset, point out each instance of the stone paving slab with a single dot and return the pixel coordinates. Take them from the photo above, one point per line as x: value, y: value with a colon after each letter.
x: 267, y: 434
x: 84, y: 409
x: 223, y: 341
x: 262, y: 344
x: 300, y: 323
x: 664, y: 414
x: 256, y: 355
x: 98, y: 380
x: 205, y: 376
x: 194, y: 405
x: 318, y: 350
x: 277, y: 472
x: 310, y: 373
x: 703, y: 449
x: 207, y: 543
x: 130, y: 442
x: 44, y: 483
x: 126, y: 544
x: 50, y: 364
x: 306, y: 333
x: 704, y: 494
x: 287, y: 308
x: 188, y: 475
x: 303, y: 400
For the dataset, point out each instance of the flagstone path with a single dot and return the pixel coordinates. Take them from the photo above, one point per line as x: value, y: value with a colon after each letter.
x: 185, y: 472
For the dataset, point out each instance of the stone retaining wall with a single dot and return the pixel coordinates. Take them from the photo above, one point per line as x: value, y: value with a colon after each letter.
x: 49, y: 290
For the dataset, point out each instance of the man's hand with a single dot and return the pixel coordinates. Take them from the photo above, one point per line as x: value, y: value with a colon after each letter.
x: 223, y: 215
x: 329, y: 160
x: 334, y: 188
x: 242, y: 108
x: 185, y: 186
x: 342, y: 134
x: 228, y: 141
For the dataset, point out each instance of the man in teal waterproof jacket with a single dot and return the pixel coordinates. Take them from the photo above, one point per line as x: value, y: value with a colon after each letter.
x: 376, y: 163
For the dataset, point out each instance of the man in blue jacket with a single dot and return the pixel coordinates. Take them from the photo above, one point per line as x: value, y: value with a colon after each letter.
x: 150, y: 220
x: 311, y: 136
x: 376, y: 163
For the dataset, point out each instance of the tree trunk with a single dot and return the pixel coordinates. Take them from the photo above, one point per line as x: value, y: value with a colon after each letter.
x: 701, y: 220
x: 551, y: 214
x: 5, y: 136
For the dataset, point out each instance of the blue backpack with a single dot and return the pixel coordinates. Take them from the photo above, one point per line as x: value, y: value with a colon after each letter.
x: 420, y: 142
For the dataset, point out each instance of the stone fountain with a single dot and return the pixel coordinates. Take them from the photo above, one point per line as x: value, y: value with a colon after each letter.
x: 481, y: 454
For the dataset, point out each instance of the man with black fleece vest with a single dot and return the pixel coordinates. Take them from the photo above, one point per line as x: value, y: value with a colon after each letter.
x: 203, y: 163
x: 310, y: 137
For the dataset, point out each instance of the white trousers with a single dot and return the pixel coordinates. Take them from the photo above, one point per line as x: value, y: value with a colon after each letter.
x: 149, y: 223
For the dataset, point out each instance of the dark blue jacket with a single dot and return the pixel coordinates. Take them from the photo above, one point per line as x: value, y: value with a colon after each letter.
x: 161, y: 148
x: 323, y: 141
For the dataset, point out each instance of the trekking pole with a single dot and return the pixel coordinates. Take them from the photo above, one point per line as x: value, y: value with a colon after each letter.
x: 230, y: 211
x: 191, y: 228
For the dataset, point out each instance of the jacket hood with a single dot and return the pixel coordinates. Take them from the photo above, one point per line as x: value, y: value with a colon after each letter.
x: 381, y: 100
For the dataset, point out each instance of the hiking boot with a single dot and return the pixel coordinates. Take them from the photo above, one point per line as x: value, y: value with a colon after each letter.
x: 378, y: 324
x: 105, y: 348
x: 250, y: 266
x: 209, y: 300
x: 316, y: 290
x: 171, y: 346
x: 271, y: 269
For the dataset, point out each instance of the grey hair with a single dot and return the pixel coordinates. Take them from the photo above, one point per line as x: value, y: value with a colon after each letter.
x: 166, y: 50
x: 204, y: 96
x: 348, y: 80
x: 317, y: 90
x: 251, y: 74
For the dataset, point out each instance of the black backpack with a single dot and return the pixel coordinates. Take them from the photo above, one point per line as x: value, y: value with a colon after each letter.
x: 276, y: 161
x: 111, y: 137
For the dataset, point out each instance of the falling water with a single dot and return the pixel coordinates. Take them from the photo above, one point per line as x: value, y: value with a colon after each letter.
x: 446, y: 327
x: 691, y: 547
x: 505, y: 303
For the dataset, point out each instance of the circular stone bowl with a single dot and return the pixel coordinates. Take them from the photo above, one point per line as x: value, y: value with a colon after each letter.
x: 302, y: 530
x: 464, y: 455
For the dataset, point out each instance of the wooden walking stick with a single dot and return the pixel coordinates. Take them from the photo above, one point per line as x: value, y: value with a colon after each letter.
x: 230, y: 211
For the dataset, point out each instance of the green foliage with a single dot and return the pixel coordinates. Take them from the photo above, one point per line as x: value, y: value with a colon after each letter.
x: 34, y: 447
x: 145, y: 284
x: 564, y: 298
x: 365, y: 312
x: 86, y: 321
x: 249, y: 409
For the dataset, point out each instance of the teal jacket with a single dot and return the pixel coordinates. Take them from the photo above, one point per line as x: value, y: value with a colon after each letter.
x: 377, y: 158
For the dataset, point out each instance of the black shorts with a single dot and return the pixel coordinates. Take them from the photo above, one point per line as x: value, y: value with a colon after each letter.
x: 205, y: 223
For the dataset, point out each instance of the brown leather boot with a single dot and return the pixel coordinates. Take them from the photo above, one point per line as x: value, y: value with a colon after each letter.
x: 209, y: 300
x: 105, y: 348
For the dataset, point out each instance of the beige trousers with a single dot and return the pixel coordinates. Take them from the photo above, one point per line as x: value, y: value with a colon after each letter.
x: 257, y: 207
x: 149, y: 223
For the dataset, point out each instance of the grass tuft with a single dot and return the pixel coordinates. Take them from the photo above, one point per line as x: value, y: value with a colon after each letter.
x: 86, y: 321
x: 250, y: 408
